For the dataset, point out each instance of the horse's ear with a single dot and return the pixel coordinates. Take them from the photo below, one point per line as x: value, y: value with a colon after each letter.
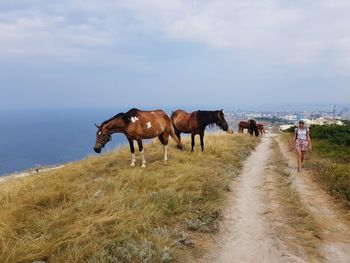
x: 97, y: 126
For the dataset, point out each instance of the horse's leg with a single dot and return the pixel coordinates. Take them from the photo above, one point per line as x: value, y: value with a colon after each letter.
x: 192, y: 141
x: 201, y: 135
x: 164, y: 139
x: 165, y: 154
x: 139, y: 142
x: 256, y: 132
x: 132, y: 150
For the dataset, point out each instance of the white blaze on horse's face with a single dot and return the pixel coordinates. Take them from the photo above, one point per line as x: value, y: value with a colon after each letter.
x: 134, y: 119
x: 149, y: 125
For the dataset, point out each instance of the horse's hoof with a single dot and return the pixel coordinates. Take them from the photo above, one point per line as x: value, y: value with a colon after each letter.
x: 165, y: 163
x: 143, y: 166
x: 132, y: 164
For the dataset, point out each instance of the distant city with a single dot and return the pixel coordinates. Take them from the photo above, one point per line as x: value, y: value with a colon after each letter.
x: 333, y: 115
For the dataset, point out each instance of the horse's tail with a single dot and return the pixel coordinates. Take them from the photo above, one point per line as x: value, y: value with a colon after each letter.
x: 172, y: 118
x: 240, y: 127
x: 171, y: 130
x: 175, y: 138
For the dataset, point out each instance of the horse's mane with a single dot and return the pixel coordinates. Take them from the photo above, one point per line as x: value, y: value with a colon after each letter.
x: 121, y: 114
x: 126, y: 116
x: 252, y: 121
x: 206, y: 118
x: 131, y: 113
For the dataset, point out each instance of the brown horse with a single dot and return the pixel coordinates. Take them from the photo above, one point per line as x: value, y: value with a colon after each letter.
x: 137, y: 125
x: 250, y: 125
x: 261, y: 128
x: 243, y: 125
x: 196, y: 122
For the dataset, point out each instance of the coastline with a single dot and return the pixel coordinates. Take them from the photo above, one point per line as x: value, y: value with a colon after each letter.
x: 17, y: 175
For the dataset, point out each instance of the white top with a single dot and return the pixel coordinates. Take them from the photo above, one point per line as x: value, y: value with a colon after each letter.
x: 301, y: 133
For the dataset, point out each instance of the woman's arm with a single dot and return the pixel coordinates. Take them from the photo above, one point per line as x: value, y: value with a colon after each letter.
x: 309, y: 139
x: 295, y: 134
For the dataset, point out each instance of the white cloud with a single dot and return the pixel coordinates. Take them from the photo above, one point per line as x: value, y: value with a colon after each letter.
x: 276, y: 32
x: 32, y: 34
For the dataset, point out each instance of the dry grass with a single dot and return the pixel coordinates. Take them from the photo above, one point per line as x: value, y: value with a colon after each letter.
x: 101, y: 210
x: 294, y: 220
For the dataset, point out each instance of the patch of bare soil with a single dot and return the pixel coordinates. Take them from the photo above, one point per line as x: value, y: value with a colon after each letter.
x: 245, y: 234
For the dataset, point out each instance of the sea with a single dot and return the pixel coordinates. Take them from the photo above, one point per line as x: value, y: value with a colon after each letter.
x: 34, y: 138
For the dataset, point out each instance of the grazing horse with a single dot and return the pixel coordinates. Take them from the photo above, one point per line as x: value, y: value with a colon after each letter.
x: 243, y: 125
x: 196, y: 122
x: 137, y: 125
x: 253, y: 128
x: 261, y: 128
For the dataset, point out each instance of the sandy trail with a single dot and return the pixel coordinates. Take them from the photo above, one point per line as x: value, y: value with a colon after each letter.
x: 335, y: 231
x: 245, y: 235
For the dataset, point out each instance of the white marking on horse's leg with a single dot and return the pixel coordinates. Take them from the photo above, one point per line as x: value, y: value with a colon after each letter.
x: 165, y: 153
x: 133, y: 160
x: 143, y: 159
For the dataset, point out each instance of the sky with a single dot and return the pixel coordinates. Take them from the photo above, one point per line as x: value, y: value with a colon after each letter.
x: 176, y: 53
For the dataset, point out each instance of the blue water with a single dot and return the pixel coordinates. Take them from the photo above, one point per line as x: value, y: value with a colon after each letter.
x: 30, y: 138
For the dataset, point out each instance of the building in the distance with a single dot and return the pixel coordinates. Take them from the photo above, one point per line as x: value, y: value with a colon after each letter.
x: 345, y: 116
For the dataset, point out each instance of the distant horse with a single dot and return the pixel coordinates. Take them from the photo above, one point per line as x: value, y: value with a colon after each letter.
x: 137, y: 125
x: 250, y: 125
x: 253, y: 128
x: 196, y: 122
x: 261, y: 128
x: 243, y: 125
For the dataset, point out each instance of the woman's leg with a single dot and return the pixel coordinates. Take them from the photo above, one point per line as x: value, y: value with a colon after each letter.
x: 302, y: 157
x: 299, y: 159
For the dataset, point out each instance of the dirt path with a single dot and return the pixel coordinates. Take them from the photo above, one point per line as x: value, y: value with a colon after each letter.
x: 245, y: 235
x: 335, y: 231
x: 251, y: 228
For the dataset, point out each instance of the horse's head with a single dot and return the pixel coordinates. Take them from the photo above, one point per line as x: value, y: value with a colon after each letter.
x: 221, y: 122
x: 103, y: 135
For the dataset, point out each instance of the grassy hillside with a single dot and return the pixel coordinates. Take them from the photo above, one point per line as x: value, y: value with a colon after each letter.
x: 101, y: 210
x: 330, y: 158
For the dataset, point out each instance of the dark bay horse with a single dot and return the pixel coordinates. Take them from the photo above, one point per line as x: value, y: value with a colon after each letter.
x: 251, y: 125
x: 261, y: 128
x: 253, y: 128
x: 137, y: 125
x: 196, y: 122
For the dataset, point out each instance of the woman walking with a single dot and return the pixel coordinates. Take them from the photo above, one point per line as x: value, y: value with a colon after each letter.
x: 302, y: 142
